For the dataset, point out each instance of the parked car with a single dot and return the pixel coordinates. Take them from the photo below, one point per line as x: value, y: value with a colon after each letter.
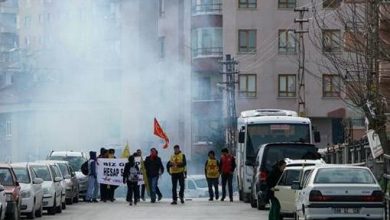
x: 75, y: 159
x: 58, y: 173
x: 71, y: 182
x: 267, y: 156
x: 12, y: 191
x: 291, y: 174
x: 31, y: 190
x: 3, y: 202
x: 196, y: 187
x: 52, y: 189
x: 339, y: 191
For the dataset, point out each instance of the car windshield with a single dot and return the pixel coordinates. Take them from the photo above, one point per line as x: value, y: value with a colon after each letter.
x: 274, y: 153
x: 201, y: 183
x: 64, y: 169
x: 42, y: 172
x: 22, y: 175
x: 344, y: 175
x: 6, y: 177
x: 259, y: 134
x: 74, y: 162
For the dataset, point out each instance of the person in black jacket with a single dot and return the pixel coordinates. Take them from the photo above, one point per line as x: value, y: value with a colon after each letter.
x: 272, y: 180
x: 130, y: 176
x: 154, y: 168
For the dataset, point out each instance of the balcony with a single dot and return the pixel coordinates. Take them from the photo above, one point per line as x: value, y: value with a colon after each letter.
x: 207, y: 52
x: 214, y: 7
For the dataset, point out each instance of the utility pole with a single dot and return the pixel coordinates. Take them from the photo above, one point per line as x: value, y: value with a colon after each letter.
x: 229, y: 73
x: 301, y: 61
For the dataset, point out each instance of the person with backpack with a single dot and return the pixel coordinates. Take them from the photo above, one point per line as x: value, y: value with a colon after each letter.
x: 93, y: 185
x: 130, y: 176
x: 154, y: 168
x: 211, y: 171
x: 227, y: 167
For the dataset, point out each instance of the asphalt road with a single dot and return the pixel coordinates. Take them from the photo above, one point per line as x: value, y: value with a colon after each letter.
x: 201, y: 209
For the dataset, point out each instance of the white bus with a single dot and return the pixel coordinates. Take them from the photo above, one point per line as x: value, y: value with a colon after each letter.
x: 261, y: 126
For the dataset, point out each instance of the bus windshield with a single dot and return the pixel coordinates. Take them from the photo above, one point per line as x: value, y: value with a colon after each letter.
x: 259, y: 134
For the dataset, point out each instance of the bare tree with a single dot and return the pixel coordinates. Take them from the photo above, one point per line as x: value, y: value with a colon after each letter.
x: 353, y: 37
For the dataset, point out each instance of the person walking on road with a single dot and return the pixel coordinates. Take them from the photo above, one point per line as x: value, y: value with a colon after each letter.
x: 212, y: 175
x: 103, y: 187
x: 111, y: 188
x: 227, y: 167
x: 273, y: 178
x: 93, y: 186
x: 141, y: 182
x: 130, y: 176
x: 154, y: 168
x: 176, y: 167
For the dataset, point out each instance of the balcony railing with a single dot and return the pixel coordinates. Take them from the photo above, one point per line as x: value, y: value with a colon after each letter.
x: 207, y: 51
x: 211, y: 8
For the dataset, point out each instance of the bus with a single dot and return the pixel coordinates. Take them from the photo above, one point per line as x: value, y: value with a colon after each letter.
x: 261, y: 126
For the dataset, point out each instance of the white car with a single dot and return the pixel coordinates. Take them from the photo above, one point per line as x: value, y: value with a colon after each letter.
x: 196, y: 187
x: 52, y: 189
x: 291, y: 174
x: 3, y: 202
x: 31, y: 189
x: 339, y: 191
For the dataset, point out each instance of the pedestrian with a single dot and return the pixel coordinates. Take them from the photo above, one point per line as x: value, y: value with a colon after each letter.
x: 103, y: 187
x: 177, y: 168
x: 227, y: 167
x: 141, y: 183
x: 273, y: 178
x: 158, y: 192
x: 130, y: 176
x: 211, y: 171
x: 92, y: 191
x: 111, y: 188
x: 154, y: 169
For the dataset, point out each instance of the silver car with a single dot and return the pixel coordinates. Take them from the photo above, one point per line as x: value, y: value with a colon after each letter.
x: 339, y: 191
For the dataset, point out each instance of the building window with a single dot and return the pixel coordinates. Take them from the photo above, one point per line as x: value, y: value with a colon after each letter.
x: 206, y: 6
x: 247, y: 85
x: 206, y: 42
x: 287, y: 3
x: 287, y: 85
x: 331, y: 3
x: 331, y: 85
x: 247, y: 41
x: 161, y: 42
x: 331, y: 40
x: 287, y: 42
x: 247, y: 3
x: 161, y: 7
x: 27, y: 21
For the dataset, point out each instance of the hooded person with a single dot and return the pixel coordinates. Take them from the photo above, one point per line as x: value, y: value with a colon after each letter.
x: 93, y: 185
x: 130, y: 177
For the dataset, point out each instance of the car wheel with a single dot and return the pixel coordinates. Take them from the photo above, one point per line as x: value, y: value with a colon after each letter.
x: 76, y: 198
x: 252, y: 202
x: 68, y: 201
x: 59, y: 207
x: 38, y: 213
x: 16, y: 214
x: 52, y: 210
x: 260, y: 204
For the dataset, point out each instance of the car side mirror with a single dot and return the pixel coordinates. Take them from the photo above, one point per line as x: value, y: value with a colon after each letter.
x: 17, y: 183
x: 249, y: 163
x: 38, y: 181
x: 317, y: 137
x: 57, y: 179
x: 67, y: 176
x: 241, y: 137
x: 1, y: 188
x: 296, y: 186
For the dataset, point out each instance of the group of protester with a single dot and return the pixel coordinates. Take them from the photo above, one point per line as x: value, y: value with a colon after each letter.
x: 153, y: 168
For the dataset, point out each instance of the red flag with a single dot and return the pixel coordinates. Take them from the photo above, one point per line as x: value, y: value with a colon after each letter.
x: 158, y: 131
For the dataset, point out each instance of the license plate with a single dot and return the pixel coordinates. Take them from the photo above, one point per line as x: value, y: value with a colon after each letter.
x: 346, y: 210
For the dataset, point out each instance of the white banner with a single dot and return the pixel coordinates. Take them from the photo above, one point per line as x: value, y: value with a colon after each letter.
x: 110, y: 171
x: 375, y: 144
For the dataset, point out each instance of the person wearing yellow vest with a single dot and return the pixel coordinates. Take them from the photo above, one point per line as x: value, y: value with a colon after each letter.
x: 176, y: 167
x: 211, y: 171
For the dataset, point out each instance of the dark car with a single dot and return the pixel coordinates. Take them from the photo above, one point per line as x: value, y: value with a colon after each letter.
x: 12, y: 190
x: 267, y: 156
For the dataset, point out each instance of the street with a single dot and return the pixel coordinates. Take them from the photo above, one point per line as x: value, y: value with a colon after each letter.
x: 192, y: 209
